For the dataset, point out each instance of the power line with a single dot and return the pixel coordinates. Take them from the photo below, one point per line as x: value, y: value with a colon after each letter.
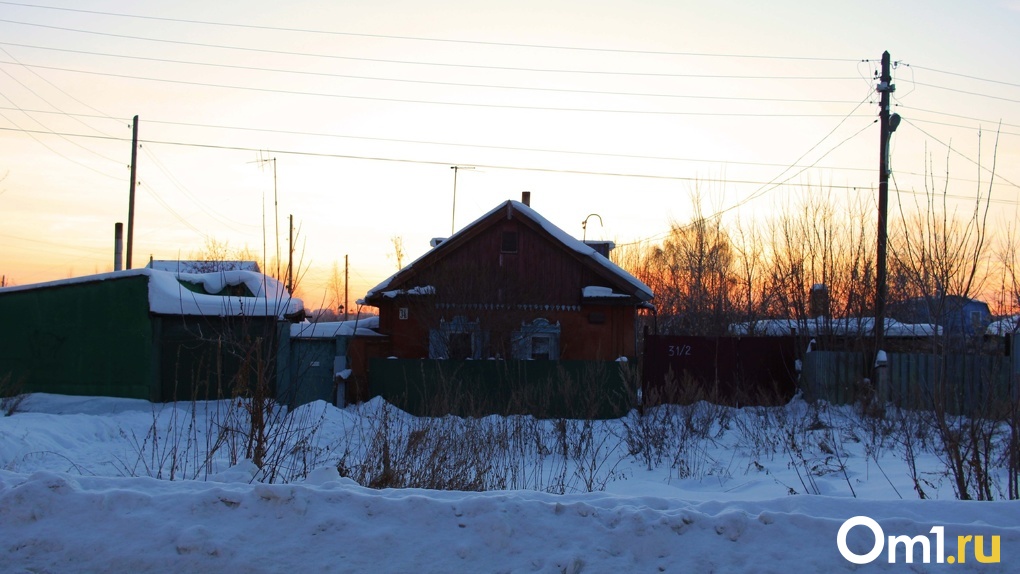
x: 56, y: 87
x: 765, y: 188
x: 443, y: 40
x: 427, y: 102
x: 959, y: 91
x: 187, y: 193
x: 506, y: 148
x: 960, y: 126
x: 32, y: 134
x: 444, y: 163
x: 959, y: 75
x: 456, y: 144
x: 957, y: 152
x: 438, y: 83
x: 958, y: 116
x: 412, y: 62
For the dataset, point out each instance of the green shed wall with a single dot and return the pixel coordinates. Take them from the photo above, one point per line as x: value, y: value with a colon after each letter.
x: 63, y: 339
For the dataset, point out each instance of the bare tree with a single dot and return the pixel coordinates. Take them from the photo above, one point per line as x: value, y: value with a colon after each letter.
x: 691, y: 276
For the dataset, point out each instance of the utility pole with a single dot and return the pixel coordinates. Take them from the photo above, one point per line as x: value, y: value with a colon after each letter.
x: 131, y: 195
x: 276, y: 222
x: 888, y: 124
x: 290, y: 255
x: 346, y: 269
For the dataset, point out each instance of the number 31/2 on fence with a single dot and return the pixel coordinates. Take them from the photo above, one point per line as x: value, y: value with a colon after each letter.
x: 679, y: 351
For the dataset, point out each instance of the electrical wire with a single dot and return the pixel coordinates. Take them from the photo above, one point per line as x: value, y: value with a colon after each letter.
x: 512, y: 148
x: 434, y: 82
x: 412, y: 62
x: 960, y: 126
x: 765, y: 188
x: 958, y: 116
x: 191, y: 196
x: 32, y: 134
x: 455, y: 144
x: 969, y: 93
x: 56, y: 87
x: 444, y: 40
x: 967, y: 76
x: 429, y: 102
x: 957, y: 152
x: 418, y: 161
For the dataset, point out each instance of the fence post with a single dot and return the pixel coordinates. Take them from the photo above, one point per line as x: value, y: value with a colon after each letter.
x: 882, y: 392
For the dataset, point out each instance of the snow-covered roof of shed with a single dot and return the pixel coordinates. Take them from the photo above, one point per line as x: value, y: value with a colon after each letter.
x: 831, y: 326
x: 1004, y: 326
x: 643, y: 291
x: 330, y: 329
x: 196, y: 266
x: 168, y: 296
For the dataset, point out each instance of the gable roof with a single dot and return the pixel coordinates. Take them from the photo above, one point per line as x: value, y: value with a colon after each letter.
x: 587, y: 255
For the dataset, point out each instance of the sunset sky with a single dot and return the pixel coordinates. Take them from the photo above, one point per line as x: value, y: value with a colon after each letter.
x: 620, y: 109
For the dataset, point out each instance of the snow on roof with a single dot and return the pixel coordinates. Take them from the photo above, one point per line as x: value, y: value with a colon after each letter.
x: 178, y: 266
x: 330, y: 329
x: 419, y: 290
x: 642, y: 291
x: 594, y: 291
x: 1004, y: 326
x: 831, y: 326
x: 167, y: 295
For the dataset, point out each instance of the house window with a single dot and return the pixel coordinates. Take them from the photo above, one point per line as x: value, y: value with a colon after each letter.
x: 509, y: 243
x: 538, y: 340
x: 541, y: 346
x: 458, y: 339
x: 459, y: 346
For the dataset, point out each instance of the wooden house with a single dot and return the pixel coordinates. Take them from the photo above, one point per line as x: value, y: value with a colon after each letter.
x: 511, y: 285
x: 509, y: 315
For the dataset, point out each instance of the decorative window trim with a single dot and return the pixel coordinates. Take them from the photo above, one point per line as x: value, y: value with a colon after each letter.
x: 539, y: 340
x: 440, y: 339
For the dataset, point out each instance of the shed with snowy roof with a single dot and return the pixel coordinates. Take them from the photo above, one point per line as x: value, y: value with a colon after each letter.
x: 145, y: 333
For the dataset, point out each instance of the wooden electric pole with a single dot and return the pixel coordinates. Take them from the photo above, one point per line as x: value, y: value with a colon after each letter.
x: 346, y: 269
x: 887, y: 126
x: 131, y: 194
x: 290, y: 254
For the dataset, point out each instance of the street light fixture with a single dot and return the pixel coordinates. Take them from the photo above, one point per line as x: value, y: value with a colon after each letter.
x: 584, y: 225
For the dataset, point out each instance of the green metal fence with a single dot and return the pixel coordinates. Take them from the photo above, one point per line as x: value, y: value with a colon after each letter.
x: 545, y: 389
x: 960, y: 383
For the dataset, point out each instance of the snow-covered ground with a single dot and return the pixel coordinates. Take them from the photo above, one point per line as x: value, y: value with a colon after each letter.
x: 749, y: 490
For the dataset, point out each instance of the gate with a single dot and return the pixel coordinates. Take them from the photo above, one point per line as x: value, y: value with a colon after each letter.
x: 727, y: 370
